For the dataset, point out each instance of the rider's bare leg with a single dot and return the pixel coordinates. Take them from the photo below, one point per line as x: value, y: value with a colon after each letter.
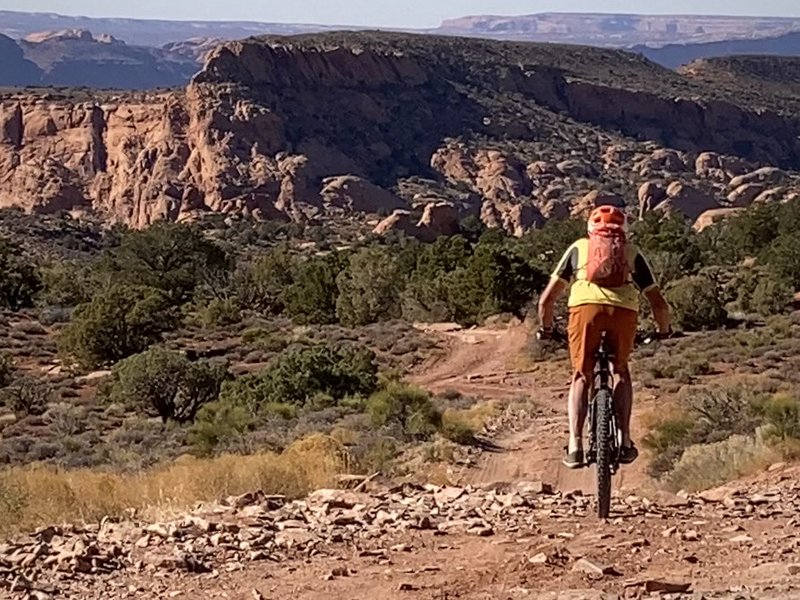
x: 623, y: 403
x: 577, y: 408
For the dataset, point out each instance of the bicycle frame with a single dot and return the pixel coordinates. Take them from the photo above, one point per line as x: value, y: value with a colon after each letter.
x: 603, y: 379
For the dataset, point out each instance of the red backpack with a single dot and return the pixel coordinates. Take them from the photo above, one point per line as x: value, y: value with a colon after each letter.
x: 607, y: 264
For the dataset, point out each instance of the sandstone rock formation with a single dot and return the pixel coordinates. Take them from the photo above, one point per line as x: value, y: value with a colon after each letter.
x: 766, y: 175
x: 710, y: 217
x: 400, y: 220
x: 712, y: 164
x: 489, y: 172
x: 593, y: 199
x: 356, y: 195
x: 744, y: 195
x: 686, y: 200
x: 439, y: 218
x: 661, y: 160
x: 263, y: 127
x: 514, y: 219
x: 650, y: 194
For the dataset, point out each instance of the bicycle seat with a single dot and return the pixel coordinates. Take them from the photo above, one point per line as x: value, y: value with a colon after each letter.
x: 604, y: 351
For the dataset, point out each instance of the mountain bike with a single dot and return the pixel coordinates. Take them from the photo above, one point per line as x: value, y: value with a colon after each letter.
x: 604, y: 434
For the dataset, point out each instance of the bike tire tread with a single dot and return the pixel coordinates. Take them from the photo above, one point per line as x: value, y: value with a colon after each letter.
x: 603, y: 407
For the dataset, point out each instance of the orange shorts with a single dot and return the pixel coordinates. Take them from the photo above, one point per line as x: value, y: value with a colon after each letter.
x: 586, y: 324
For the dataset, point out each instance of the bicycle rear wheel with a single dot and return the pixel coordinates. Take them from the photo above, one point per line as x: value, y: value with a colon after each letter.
x: 603, y: 407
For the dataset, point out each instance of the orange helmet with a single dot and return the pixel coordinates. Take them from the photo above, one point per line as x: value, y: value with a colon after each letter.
x: 607, y: 216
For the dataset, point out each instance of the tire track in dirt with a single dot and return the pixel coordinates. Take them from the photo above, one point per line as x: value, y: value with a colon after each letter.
x: 494, y: 364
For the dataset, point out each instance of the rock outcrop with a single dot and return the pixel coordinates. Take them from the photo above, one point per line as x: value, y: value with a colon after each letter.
x: 266, y: 124
x: 713, y: 216
x: 650, y: 195
x: 687, y: 201
x: 356, y: 195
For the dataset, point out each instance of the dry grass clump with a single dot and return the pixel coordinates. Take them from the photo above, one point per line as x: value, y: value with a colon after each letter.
x: 708, y: 465
x: 39, y: 495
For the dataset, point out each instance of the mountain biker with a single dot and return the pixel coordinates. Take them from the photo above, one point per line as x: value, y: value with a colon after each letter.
x: 609, y: 273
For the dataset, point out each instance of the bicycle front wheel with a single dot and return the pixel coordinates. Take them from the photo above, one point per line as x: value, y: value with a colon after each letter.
x: 603, y: 407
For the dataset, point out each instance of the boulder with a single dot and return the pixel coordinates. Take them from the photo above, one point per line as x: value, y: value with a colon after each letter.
x: 553, y: 192
x: 712, y: 216
x: 501, y: 177
x: 541, y: 167
x: 521, y: 218
x: 574, y: 168
x: 555, y: 209
x: 400, y: 220
x: 661, y: 160
x: 455, y: 163
x: 744, y: 195
x: 766, y: 175
x: 593, y: 199
x: 719, y: 167
x: 650, y: 194
x: 775, y: 194
x: 705, y: 162
x: 440, y: 218
x: 514, y: 219
x: 686, y: 200
x: 617, y: 155
x: 357, y: 195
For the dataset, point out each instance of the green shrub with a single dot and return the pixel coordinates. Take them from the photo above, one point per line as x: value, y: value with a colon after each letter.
x: 296, y: 376
x: 260, y: 285
x: 311, y: 298
x: 220, y: 313
x: 369, y: 288
x: 166, y: 384
x: 696, y: 303
x: 218, y: 423
x: 20, y: 281
x: 407, y: 408
x: 7, y: 369
x: 459, y: 432
x: 542, y: 248
x: 119, y: 322
x: 669, y: 243
x: 771, y: 296
x: 67, y: 284
x: 27, y: 396
x: 782, y: 415
x: 174, y: 258
x: 710, y: 415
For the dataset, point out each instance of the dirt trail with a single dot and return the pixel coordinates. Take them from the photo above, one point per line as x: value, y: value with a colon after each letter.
x: 494, y: 364
x: 738, y: 542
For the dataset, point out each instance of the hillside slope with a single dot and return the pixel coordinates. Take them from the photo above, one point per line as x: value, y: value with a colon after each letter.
x: 75, y: 58
x: 675, y: 55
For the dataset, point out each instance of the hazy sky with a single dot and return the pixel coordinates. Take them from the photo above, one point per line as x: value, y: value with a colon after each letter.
x: 398, y: 13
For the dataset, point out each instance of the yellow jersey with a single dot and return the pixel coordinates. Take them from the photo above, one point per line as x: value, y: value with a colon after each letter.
x: 572, y: 268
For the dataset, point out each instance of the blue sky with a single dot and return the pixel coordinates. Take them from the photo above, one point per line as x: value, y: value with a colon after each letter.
x: 398, y: 13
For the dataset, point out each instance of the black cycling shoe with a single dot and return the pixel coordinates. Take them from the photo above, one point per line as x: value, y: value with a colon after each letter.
x: 628, y: 454
x: 574, y: 460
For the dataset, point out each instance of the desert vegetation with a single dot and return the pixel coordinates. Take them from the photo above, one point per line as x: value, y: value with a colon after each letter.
x: 139, y: 347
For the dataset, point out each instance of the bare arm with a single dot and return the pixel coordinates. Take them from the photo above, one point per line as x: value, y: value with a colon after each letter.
x: 661, y: 312
x: 548, y: 300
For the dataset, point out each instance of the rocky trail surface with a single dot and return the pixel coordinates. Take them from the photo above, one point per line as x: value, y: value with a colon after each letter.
x: 510, y: 525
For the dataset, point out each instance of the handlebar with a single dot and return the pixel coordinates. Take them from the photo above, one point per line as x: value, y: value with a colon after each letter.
x: 643, y: 338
